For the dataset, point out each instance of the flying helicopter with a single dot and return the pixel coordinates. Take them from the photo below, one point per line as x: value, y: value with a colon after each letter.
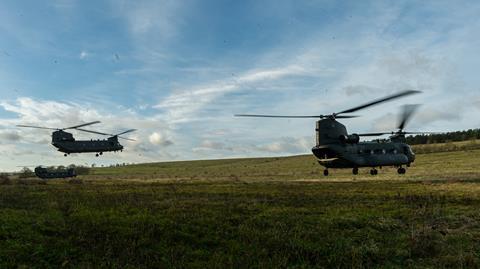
x: 66, y: 143
x: 335, y: 148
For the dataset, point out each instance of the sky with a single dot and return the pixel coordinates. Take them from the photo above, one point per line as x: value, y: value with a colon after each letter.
x: 179, y: 70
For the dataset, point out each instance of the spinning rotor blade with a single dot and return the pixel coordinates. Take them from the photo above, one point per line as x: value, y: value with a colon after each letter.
x: 408, y: 111
x: 375, y: 134
x: 277, y: 116
x: 125, y: 138
x: 292, y: 117
x: 126, y: 132
x: 81, y: 125
x: 37, y: 127
x: 93, y: 132
x: 388, y: 98
x: 118, y: 135
x: 337, y: 115
x: 419, y: 132
x: 395, y: 133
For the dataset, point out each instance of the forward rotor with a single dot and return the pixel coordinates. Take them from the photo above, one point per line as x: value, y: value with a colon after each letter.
x: 59, y: 129
x: 337, y: 115
x: 112, y: 135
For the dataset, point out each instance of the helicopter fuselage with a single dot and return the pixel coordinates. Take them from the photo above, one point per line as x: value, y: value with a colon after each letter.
x: 65, y: 143
x: 337, y: 149
x: 45, y: 173
x: 364, y: 154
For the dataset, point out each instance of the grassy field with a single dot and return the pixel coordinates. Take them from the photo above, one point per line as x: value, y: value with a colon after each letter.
x: 248, y: 213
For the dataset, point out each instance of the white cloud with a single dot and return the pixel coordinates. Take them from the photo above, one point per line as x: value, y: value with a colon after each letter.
x: 182, y: 106
x: 83, y: 55
x: 150, y: 19
x: 158, y: 138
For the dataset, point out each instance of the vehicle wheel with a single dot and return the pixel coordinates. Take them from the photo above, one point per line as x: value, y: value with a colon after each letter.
x: 325, y: 172
x: 401, y: 171
x: 65, y: 154
x: 101, y: 153
x: 355, y: 171
x: 372, y: 172
x: 96, y: 155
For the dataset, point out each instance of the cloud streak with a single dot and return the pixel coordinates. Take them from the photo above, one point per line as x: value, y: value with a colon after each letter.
x: 181, y: 106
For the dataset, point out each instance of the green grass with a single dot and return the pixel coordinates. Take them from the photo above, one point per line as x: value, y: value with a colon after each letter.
x: 248, y: 213
x: 431, y: 166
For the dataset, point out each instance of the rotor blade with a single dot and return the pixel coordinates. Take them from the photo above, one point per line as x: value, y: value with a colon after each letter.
x: 36, y: 127
x: 408, y: 111
x: 125, y: 138
x: 277, y: 116
x: 81, y: 125
x: 385, y: 99
x: 420, y: 133
x: 100, y: 133
x: 126, y: 132
x: 375, y: 134
x: 345, y: 117
x: 93, y: 132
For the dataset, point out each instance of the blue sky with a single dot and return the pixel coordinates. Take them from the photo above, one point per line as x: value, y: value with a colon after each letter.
x: 179, y: 70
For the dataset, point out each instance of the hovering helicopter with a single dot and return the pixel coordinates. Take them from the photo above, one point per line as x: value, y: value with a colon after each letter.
x: 66, y: 143
x: 335, y: 148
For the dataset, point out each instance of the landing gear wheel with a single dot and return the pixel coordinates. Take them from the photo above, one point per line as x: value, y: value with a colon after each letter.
x: 401, y: 171
x: 373, y: 172
x: 355, y: 171
x: 101, y: 153
x: 325, y: 172
x: 65, y: 154
x: 96, y: 155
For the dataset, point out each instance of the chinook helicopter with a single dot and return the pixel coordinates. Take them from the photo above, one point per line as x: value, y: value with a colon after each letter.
x: 45, y: 173
x: 335, y: 148
x: 52, y: 172
x: 66, y: 143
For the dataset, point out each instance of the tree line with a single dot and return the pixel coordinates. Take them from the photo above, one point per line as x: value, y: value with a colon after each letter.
x: 470, y: 134
x: 79, y: 170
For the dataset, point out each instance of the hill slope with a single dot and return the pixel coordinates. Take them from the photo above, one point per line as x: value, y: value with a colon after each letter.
x: 441, y: 165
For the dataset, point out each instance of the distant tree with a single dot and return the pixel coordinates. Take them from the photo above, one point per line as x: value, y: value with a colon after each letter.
x: 80, y: 169
x: 470, y: 134
x: 26, y: 172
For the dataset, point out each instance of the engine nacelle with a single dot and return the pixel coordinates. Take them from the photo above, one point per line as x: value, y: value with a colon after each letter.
x: 350, y: 139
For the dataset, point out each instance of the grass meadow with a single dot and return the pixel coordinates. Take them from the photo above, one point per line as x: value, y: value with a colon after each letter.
x: 248, y: 213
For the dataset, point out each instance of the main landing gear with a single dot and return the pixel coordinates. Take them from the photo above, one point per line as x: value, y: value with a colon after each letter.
x: 355, y: 171
x: 66, y: 154
x: 98, y: 154
x: 325, y: 172
x: 401, y: 171
x: 373, y: 172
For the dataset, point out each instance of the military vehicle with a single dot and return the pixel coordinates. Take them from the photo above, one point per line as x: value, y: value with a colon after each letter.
x: 66, y: 143
x: 335, y: 148
x: 46, y: 173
